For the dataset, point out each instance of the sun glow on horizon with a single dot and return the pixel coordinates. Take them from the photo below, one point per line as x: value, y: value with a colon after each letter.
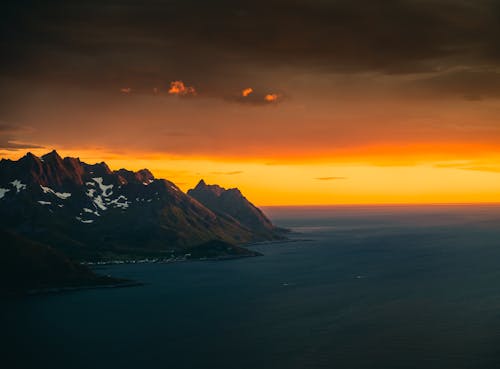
x: 322, y: 182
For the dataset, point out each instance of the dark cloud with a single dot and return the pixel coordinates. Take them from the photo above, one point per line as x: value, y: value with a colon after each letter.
x: 8, y: 134
x: 470, y: 84
x: 7, y: 128
x: 7, y: 144
x: 149, y: 43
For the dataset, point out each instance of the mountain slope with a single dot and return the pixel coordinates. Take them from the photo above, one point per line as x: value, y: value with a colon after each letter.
x: 231, y: 203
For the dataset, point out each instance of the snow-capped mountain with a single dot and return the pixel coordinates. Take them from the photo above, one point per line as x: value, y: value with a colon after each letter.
x: 89, y: 211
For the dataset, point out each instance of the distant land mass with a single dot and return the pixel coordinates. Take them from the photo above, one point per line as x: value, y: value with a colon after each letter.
x: 70, y: 211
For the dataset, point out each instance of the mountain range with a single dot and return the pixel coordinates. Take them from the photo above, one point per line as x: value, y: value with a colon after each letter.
x: 90, y: 213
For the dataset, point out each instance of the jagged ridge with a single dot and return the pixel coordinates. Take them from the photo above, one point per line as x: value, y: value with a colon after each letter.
x: 231, y: 202
x: 90, y: 211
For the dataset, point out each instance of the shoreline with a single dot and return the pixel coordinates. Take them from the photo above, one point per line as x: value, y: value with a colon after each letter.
x: 95, y: 265
x: 186, y: 258
x: 54, y: 290
x: 63, y: 289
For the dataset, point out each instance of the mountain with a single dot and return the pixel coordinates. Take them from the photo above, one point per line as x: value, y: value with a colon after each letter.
x: 231, y: 203
x: 92, y: 213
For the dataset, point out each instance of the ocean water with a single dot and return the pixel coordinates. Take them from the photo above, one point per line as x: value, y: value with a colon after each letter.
x: 360, y: 287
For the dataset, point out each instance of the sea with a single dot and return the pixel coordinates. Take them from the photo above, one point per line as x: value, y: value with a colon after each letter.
x: 355, y: 287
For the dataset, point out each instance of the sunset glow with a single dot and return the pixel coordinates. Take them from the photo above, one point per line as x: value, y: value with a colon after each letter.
x: 346, y: 179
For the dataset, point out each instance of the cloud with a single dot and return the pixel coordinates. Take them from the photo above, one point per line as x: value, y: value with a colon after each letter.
x: 227, y: 173
x: 247, y: 91
x: 330, y: 178
x: 256, y: 97
x: 178, y: 88
x: 7, y: 128
x: 494, y: 169
x: 472, y: 165
x: 126, y: 90
x: 74, y: 41
x: 8, y: 141
x: 271, y: 97
x: 343, y: 61
x: 7, y: 144
x: 467, y: 83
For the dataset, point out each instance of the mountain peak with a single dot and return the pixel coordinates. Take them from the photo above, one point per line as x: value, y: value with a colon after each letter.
x: 52, y: 156
x: 52, y: 153
x: 143, y: 176
x: 232, y: 202
x: 146, y: 173
x: 30, y: 161
x: 98, y: 169
x: 214, y: 189
x: 29, y: 157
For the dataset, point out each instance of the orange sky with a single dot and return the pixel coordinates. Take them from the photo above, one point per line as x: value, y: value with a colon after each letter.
x: 315, y: 148
x: 373, y: 179
x: 364, y: 146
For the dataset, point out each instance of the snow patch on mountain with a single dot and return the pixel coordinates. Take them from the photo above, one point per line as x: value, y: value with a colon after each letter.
x: 61, y: 195
x: 18, y: 185
x: 99, y: 203
x: 84, y: 220
x: 3, y: 191
x: 120, y: 202
x: 44, y: 202
x: 87, y: 210
x: 104, y: 188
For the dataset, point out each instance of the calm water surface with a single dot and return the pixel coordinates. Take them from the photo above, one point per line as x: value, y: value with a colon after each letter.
x: 362, y: 287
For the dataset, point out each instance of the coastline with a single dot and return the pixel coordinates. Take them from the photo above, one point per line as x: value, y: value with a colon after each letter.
x: 183, y: 259
x: 62, y: 289
x: 187, y: 258
x: 54, y: 290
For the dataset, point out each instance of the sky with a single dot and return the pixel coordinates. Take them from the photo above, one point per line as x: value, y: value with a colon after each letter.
x: 293, y: 102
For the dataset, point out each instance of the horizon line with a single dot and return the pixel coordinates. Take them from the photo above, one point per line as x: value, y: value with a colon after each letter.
x: 394, y: 204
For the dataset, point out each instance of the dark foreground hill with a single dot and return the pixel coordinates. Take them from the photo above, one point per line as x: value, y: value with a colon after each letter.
x: 27, y: 265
